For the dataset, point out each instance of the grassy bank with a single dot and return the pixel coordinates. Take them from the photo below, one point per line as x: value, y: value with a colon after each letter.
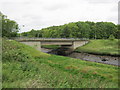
x: 107, y: 47
x: 50, y: 46
x: 25, y: 67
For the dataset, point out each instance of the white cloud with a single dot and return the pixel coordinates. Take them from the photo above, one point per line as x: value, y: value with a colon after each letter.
x: 102, y: 1
x: 37, y: 14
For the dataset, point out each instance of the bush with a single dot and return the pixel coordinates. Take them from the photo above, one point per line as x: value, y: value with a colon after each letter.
x: 111, y: 37
x: 10, y: 52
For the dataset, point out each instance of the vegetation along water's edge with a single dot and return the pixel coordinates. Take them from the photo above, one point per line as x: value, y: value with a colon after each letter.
x: 102, y: 47
x: 25, y: 67
x: 97, y: 47
x: 98, y: 57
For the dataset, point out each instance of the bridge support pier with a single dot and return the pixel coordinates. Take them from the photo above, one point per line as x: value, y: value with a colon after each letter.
x: 36, y: 45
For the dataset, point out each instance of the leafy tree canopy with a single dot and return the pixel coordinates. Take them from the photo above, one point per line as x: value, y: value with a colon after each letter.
x: 9, y: 27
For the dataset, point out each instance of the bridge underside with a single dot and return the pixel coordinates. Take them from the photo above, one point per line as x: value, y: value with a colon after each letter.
x: 56, y: 43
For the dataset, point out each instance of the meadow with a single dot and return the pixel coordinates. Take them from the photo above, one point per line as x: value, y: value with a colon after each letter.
x: 25, y: 67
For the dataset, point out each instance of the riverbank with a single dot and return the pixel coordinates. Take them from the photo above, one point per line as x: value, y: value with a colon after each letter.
x: 96, y: 58
x: 100, y: 51
x: 97, y: 47
x: 105, y: 59
x: 101, y: 47
x: 25, y: 67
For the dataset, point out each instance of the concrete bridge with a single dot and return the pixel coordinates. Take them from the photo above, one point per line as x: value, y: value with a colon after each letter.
x: 64, y: 42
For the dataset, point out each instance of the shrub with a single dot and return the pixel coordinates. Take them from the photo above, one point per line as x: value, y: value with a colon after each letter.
x: 12, y: 51
x: 111, y: 37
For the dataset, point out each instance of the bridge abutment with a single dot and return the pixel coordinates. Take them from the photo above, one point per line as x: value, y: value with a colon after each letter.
x: 36, y: 45
x: 78, y: 44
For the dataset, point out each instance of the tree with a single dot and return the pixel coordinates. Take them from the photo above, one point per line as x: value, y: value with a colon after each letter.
x: 111, y: 37
x: 9, y: 27
x: 99, y: 30
x: 84, y: 30
x: 105, y: 29
x: 117, y: 34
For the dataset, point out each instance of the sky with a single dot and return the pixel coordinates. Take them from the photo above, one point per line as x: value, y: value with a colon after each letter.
x: 38, y: 14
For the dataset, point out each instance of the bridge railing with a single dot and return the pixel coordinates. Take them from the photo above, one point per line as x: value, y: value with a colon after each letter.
x: 34, y: 38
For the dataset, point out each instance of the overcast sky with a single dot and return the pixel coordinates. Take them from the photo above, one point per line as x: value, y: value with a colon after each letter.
x: 37, y: 14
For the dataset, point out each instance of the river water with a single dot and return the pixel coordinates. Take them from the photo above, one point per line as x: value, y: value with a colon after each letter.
x: 112, y: 60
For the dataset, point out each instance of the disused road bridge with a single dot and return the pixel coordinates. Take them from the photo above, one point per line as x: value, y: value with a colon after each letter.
x: 65, y: 42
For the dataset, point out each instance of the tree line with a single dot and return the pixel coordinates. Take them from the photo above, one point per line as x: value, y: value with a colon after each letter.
x: 87, y: 29
x: 91, y: 30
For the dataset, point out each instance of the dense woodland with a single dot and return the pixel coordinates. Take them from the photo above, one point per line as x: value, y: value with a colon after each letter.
x: 91, y: 30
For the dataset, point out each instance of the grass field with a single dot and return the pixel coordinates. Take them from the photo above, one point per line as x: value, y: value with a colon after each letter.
x: 25, y: 67
x: 107, y: 47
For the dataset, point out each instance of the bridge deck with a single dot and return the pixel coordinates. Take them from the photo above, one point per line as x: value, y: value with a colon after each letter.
x: 49, y: 39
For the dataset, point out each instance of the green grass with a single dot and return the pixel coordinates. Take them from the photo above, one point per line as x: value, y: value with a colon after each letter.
x: 0, y: 63
x: 107, y: 47
x: 25, y: 67
x: 51, y: 46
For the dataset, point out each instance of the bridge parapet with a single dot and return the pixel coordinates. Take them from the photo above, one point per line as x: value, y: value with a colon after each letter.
x: 48, y: 39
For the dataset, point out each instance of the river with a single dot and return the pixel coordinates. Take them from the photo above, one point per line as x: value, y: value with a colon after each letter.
x: 112, y: 60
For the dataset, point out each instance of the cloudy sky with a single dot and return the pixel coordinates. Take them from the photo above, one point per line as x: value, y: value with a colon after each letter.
x: 37, y: 14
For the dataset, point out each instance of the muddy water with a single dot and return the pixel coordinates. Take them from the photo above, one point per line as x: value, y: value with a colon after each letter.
x: 112, y: 60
